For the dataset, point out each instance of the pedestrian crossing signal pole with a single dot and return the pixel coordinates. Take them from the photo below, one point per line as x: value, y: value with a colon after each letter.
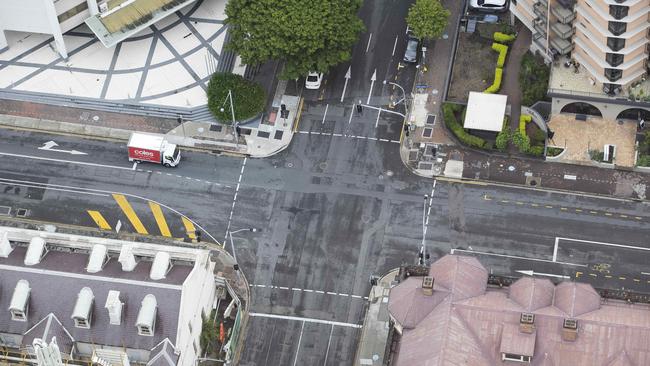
x: 423, y: 257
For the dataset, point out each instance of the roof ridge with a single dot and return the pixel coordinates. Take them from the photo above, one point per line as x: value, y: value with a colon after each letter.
x: 477, y: 340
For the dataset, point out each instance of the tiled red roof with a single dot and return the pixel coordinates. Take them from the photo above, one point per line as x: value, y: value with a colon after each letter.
x: 469, y: 330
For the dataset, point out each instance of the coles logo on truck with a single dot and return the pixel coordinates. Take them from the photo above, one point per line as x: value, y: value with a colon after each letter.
x: 143, y: 154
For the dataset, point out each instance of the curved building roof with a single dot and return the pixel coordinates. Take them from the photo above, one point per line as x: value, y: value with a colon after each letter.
x: 532, y: 293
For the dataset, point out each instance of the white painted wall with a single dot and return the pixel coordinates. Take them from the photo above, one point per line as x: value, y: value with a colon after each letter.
x: 34, y: 16
x: 197, y: 298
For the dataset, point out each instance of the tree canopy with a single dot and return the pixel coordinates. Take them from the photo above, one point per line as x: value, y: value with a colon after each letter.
x: 427, y: 19
x: 308, y: 35
x: 248, y: 98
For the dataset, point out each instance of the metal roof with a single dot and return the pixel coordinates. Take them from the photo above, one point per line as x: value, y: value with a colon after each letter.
x: 485, y: 112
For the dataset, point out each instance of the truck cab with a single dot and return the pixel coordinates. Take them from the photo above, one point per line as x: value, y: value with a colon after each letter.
x: 171, y: 155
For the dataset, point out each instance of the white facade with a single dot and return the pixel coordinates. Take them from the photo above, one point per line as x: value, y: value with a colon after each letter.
x: 53, y: 17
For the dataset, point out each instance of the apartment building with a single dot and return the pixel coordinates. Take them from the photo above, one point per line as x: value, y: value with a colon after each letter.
x: 85, y: 300
x: 110, y: 20
x: 606, y: 41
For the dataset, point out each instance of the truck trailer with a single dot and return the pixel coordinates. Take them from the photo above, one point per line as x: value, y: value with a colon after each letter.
x: 153, y: 148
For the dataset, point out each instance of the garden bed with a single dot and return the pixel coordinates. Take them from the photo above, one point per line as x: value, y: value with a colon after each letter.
x: 474, y: 62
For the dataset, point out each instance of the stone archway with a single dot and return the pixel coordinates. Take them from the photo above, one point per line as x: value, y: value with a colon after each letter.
x: 634, y: 114
x: 582, y: 108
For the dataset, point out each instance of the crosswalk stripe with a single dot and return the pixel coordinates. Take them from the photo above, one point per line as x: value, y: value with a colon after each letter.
x: 130, y: 214
x: 189, y: 227
x: 99, y: 220
x: 160, y: 219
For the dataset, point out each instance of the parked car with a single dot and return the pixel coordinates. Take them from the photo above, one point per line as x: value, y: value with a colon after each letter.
x: 313, y: 80
x: 495, y: 6
x: 412, y: 46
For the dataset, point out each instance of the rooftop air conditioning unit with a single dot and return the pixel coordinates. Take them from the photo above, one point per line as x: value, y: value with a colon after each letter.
x: 5, y: 246
x: 126, y: 258
x: 35, y: 251
x: 103, y: 7
x: 114, y: 306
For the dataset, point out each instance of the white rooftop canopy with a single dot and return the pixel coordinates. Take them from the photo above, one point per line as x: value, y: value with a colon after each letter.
x: 485, y: 112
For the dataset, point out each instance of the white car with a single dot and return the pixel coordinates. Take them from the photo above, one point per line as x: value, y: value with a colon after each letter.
x: 495, y: 6
x: 313, y: 80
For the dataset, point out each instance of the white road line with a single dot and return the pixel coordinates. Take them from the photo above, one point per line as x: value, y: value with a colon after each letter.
x: 295, y: 360
x: 331, y: 293
x: 296, y: 289
x: 394, y: 46
x: 555, y: 249
x: 307, y: 320
x: 356, y: 296
x: 319, y: 292
x: 283, y: 288
x: 232, y: 208
x: 306, y: 290
x: 64, y: 161
x: 351, y: 113
x: 325, y: 114
x: 602, y: 243
x: 517, y: 257
x: 384, y: 140
x: 135, y: 165
x: 2, y: 180
x: 378, y: 115
x: 328, y: 345
x: 170, y: 174
x: 369, y: 39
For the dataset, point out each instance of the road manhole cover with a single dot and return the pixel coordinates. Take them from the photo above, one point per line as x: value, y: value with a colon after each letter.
x: 289, y: 165
x: 323, y: 165
x: 511, y: 168
x: 95, y: 118
x: 389, y: 173
x: 21, y: 212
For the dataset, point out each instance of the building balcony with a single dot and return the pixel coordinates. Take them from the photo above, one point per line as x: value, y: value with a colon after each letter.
x: 540, y: 40
x: 562, y: 46
x: 114, y: 24
x: 540, y: 11
x: 540, y: 29
x: 567, y: 3
x: 563, y: 31
x: 563, y: 14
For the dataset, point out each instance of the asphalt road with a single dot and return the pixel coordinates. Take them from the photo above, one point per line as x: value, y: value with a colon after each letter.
x: 331, y: 210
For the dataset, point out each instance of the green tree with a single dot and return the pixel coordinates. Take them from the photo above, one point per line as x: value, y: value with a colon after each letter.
x: 248, y: 98
x: 427, y: 19
x: 308, y: 35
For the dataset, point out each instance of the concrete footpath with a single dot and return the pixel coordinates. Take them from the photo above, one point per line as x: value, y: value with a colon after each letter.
x: 374, y: 336
x: 255, y: 140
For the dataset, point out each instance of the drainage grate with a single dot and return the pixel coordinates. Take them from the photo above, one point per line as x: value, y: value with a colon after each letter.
x: 431, y: 119
x: 5, y: 210
x: 533, y: 181
x: 427, y: 132
x: 425, y: 165
x: 21, y: 212
x: 216, y: 128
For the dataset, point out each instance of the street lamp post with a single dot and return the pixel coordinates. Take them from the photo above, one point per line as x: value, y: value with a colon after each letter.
x: 402, y: 89
x: 180, y: 122
x: 232, y: 244
x: 232, y: 114
x: 422, y: 256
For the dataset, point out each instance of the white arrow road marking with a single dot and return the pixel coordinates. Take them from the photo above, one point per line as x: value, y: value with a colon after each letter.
x: 348, y: 76
x: 372, y: 85
x: 533, y: 273
x: 48, y: 146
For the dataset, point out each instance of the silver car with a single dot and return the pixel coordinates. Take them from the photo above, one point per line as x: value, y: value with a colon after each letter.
x: 495, y: 6
x: 411, y: 53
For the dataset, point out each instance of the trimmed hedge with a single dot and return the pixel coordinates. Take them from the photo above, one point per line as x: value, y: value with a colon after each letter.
x: 523, y: 120
x: 503, y: 51
x: 448, y: 114
x: 521, y: 141
x: 503, y: 37
x: 536, y: 150
x: 496, y: 85
x: 503, y: 137
x: 249, y: 98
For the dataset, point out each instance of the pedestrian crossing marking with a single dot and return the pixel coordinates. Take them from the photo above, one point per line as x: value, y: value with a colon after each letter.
x: 99, y: 220
x: 160, y: 219
x: 130, y: 214
x: 189, y: 227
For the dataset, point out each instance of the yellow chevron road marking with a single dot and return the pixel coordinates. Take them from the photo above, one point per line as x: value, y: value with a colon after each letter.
x: 99, y: 220
x: 130, y: 214
x: 160, y: 219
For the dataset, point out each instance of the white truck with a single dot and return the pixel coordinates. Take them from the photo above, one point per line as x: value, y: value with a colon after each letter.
x: 153, y: 148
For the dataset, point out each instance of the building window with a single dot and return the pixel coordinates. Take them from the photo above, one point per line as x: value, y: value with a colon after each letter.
x: 615, y: 44
x: 618, y: 11
x: 617, y: 28
x: 513, y: 357
x: 18, y: 315
x: 72, y: 12
x: 614, y: 59
x: 613, y: 74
